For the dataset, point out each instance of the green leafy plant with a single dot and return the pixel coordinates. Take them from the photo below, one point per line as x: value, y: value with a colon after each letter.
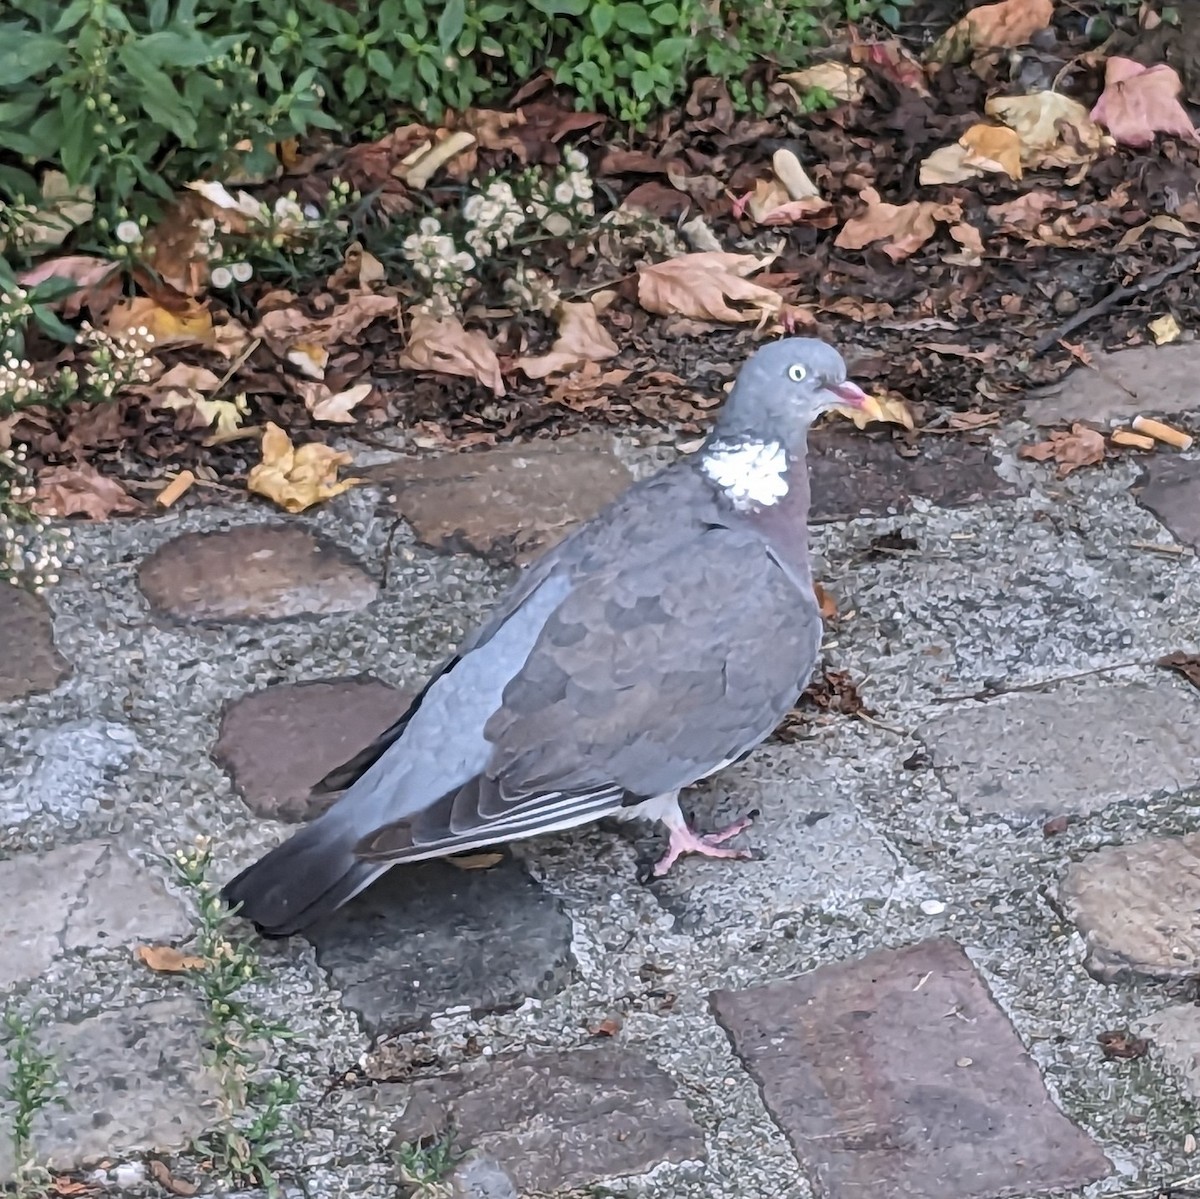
x: 138, y: 99
x: 32, y: 1085
x: 254, y: 1100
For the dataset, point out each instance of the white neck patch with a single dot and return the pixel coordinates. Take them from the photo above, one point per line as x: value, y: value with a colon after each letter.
x: 752, y: 474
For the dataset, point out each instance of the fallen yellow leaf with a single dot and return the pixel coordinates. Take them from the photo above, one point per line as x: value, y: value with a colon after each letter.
x: 295, y: 479
x: 892, y: 410
x: 706, y: 286
x: 446, y: 347
x: 476, y: 861
x: 191, y: 325
x: 1165, y: 329
x: 581, y: 338
x: 983, y: 149
x: 165, y: 959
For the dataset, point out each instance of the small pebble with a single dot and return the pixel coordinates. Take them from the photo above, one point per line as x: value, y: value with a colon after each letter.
x: 932, y: 907
x: 965, y: 1061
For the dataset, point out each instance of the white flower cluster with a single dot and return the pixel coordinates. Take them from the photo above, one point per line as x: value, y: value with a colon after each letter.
x: 30, y: 551
x: 494, y: 215
x: 559, y: 202
x: 18, y: 385
x: 437, y: 259
x: 115, y: 361
x: 15, y: 312
x: 530, y: 290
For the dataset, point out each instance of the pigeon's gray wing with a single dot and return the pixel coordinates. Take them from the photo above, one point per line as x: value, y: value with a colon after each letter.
x: 649, y: 520
x: 642, y: 680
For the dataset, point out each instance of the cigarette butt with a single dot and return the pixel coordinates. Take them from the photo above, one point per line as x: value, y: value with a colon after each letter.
x: 174, y: 489
x: 1136, y: 441
x: 1161, y: 432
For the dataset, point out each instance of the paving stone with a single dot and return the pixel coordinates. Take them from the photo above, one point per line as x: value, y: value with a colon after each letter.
x: 1119, y: 385
x: 898, y: 1075
x: 258, y: 572
x: 1138, y: 908
x: 277, y: 743
x: 432, y: 936
x: 30, y: 662
x: 508, y: 503
x: 67, y: 772
x: 90, y: 895
x: 481, y: 1178
x: 853, y: 475
x: 554, y: 1120
x: 1170, y: 488
x: 1034, y: 752
x: 131, y: 1079
x: 1175, y: 1032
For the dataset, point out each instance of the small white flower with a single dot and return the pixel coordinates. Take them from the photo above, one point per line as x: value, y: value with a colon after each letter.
x: 564, y: 193
x: 129, y: 233
x: 430, y: 225
x: 473, y: 207
x: 575, y: 160
x: 222, y: 277
x: 242, y: 271
x: 463, y: 261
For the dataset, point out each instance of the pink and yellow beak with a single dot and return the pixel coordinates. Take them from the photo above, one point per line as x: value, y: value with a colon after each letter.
x: 851, y: 398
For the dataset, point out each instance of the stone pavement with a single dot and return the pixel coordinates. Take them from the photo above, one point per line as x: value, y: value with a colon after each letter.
x: 963, y: 966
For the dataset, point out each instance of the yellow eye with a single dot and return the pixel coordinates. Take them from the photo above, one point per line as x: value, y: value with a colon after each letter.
x: 797, y: 373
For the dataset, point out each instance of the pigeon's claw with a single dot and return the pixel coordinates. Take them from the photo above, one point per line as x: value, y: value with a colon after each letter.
x: 708, y: 845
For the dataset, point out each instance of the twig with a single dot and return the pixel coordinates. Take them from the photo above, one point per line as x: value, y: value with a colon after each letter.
x: 237, y: 364
x: 1155, y: 548
x: 1116, y: 296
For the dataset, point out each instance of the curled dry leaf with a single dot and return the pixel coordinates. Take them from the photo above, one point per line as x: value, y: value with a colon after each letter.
x: 84, y: 270
x: 81, y: 491
x: 1053, y: 130
x: 295, y: 479
x: 61, y: 209
x: 789, y: 198
x: 1080, y: 447
x: 891, y: 60
x: 825, y: 602
x: 187, y: 324
x: 983, y: 149
x: 445, y: 347
x: 970, y: 242
x: 304, y: 341
x: 186, y: 389
x: 993, y: 27
x: 1138, y: 103
x: 337, y: 407
x: 706, y: 286
x: 1165, y: 330
x: 581, y: 338
x: 837, y: 79
x: 359, y: 269
x: 905, y: 227
x: 164, y: 959
x: 475, y: 861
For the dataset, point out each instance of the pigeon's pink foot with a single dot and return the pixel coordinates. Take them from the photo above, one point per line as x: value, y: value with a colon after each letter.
x: 708, y: 845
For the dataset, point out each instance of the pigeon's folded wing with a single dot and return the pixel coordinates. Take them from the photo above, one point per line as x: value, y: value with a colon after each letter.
x: 643, y: 680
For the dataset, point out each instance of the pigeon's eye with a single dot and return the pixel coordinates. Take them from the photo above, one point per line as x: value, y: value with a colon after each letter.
x: 797, y: 373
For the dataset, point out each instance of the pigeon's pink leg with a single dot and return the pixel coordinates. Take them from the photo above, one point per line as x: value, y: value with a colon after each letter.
x: 709, y: 845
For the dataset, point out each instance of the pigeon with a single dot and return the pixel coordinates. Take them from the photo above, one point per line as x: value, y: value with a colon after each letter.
x: 655, y: 645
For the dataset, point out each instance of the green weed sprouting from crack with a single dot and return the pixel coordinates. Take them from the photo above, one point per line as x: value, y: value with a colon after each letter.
x: 422, y: 1166
x: 254, y: 1101
x: 32, y: 1085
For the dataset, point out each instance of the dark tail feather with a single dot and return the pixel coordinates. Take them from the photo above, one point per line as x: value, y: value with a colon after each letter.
x: 309, y: 876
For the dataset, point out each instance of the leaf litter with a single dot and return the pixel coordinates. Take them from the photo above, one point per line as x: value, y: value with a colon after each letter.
x: 981, y: 191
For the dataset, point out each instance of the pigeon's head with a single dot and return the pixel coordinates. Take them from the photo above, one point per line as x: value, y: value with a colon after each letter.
x: 783, y: 387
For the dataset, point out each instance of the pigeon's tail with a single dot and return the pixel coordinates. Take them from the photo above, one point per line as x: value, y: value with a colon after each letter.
x: 309, y: 876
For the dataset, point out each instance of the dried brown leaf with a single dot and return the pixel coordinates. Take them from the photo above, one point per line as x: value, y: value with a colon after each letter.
x: 445, y: 347
x: 1053, y: 130
x: 81, y: 490
x: 905, y: 227
x: 581, y: 338
x: 188, y: 324
x: 993, y: 27
x: 1080, y: 447
x: 706, y: 286
x: 165, y: 959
